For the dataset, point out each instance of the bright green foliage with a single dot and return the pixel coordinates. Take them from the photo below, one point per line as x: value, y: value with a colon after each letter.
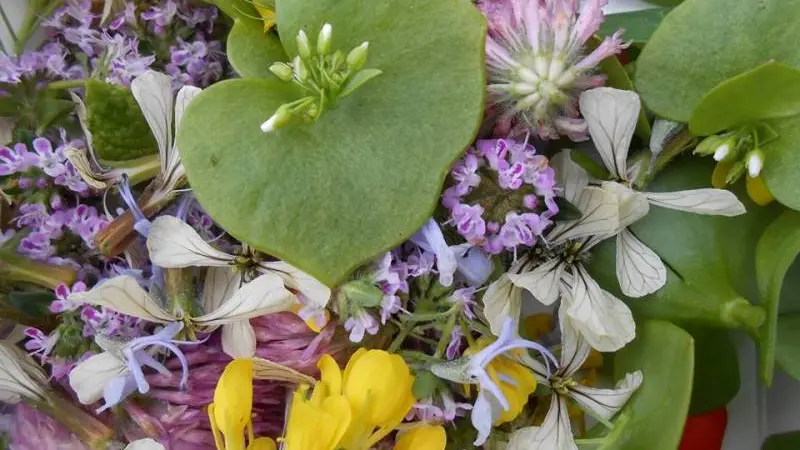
x: 119, y: 131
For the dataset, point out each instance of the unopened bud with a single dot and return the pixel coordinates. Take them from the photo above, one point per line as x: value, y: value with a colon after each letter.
x: 324, y: 39
x: 361, y: 293
x: 709, y: 145
x: 279, y: 119
x: 358, y: 57
x: 303, y: 46
x: 300, y: 69
x: 755, y: 162
x: 722, y: 152
x: 282, y: 71
x: 736, y: 172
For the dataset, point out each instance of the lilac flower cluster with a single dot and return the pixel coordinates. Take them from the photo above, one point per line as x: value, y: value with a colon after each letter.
x: 502, y: 195
x: 50, y: 61
x: 44, y: 167
x: 143, y: 35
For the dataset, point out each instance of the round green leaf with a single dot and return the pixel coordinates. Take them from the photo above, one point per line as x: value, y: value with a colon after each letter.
x: 330, y: 195
x: 743, y: 99
x: 787, y: 348
x: 638, y: 25
x: 251, y: 51
x: 710, y: 259
x: 782, y: 162
x: 665, y: 355
x: 696, y: 48
x: 716, y: 370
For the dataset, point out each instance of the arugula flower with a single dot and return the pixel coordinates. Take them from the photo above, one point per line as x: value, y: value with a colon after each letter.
x: 611, y: 115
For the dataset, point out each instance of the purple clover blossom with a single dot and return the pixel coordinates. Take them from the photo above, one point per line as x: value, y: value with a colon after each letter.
x: 16, y: 159
x: 538, y: 66
x: 513, y: 173
x: 62, y: 302
x: 359, y: 323
x: 50, y: 161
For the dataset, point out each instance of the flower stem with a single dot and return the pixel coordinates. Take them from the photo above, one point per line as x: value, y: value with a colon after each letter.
x: 446, y: 332
x: 66, y: 84
x: 678, y: 144
x: 23, y: 270
x: 407, y: 327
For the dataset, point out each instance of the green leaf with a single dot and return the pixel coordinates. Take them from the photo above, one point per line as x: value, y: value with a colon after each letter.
x: 660, y: 405
x: 777, y: 249
x: 358, y: 80
x: 330, y: 195
x: 716, y: 370
x: 665, y: 2
x: 710, y: 259
x: 119, y: 131
x: 743, y: 99
x: 251, y: 51
x: 696, y: 48
x: 242, y: 10
x: 787, y: 345
x: 34, y: 304
x: 784, y: 441
x: 782, y: 162
x: 425, y: 383
x: 638, y: 25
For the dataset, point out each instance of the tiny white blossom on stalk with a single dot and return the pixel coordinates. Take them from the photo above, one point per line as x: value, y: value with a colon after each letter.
x: 555, y: 432
x: 538, y: 62
x: 611, y: 115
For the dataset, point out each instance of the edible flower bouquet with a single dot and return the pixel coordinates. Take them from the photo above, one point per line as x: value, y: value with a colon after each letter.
x: 391, y: 224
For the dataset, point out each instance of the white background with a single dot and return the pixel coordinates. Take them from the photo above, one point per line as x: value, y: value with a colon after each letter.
x: 756, y: 412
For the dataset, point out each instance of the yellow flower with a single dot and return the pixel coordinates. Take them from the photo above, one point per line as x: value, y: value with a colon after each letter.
x: 424, y: 437
x: 262, y: 443
x: 318, y: 423
x: 232, y: 406
x: 267, y: 14
x: 756, y: 188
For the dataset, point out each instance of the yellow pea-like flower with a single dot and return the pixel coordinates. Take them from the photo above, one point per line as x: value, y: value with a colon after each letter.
x: 317, y: 426
x: 423, y: 437
x: 233, y: 403
x: 262, y: 443
x: 378, y: 386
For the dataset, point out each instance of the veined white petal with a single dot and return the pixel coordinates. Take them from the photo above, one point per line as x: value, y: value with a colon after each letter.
x: 89, y: 378
x: 639, y: 270
x: 574, y: 346
x: 239, y: 339
x: 316, y: 293
x: 485, y: 411
x: 219, y: 285
x: 605, y: 321
x: 20, y: 377
x: 600, y: 210
x: 185, y: 95
x: 569, y: 175
x: 145, y: 444
x: 123, y: 294
x: 611, y: 115
x: 264, y: 369
x: 605, y: 403
x: 80, y: 110
x: 264, y: 295
x: 715, y: 202
x: 555, y: 433
x: 172, y: 171
x: 173, y: 243
x: 543, y: 281
x: 502, y: 299
x: 153, y: 92
x: 633, y: 205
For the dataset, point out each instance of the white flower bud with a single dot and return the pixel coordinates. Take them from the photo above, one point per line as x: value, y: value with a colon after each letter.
x: 279, y: 119
x: 303, y: 46
x: 722, y: 152
x: 358, y: 57
x: 282, y: 71
x: 755, y: 162
x: 324, y: 39
x: 300, y: 69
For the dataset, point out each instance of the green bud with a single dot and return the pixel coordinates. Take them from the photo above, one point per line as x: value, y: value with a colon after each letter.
x: 324, y: 39
x: 279, y: 119
x: 282, y: 70
x: 709, y: 145
x: 337, y: 60
x: 736, y: 172
x: 303, y: 46
x: 361, y: 293
x: 300, y: 69
x: 358, y: 57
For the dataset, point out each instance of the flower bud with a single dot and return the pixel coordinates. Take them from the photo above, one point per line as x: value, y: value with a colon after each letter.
x: 300, y: 69
x: 736, y: 172
x: 282, y: 71
x: 303, y: 46
x: 361, y: 293
x: 279, y: 119
x: 324, y: 39
x: 755, y: 162
x: 722, y: 152
x: 358, y: 57
x: 709, y: 145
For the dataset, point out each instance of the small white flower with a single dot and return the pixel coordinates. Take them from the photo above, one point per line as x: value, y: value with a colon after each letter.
x: 611, y: 115
x: 556, y: 432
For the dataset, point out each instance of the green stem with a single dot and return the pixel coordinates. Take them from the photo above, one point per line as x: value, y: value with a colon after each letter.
x: 674, y: 148
x: 66, y: 84
x: 445, y: 339
x: 742, y: 313
x: 26, y: 271
x: 398, y: 340
x: 8, y: 25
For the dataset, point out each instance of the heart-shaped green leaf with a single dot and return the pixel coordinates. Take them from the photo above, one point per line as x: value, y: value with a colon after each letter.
x: 716, y: 370
x: 709, y: 259
x: 119, y: 131
x: 777, y: 249
x: 638, y: 25
x: 743, y: 99
x: 665, y: 355
x: 696, y: 48
x: 251, y: 50
x: 782, y: 162
x: 330, y: 195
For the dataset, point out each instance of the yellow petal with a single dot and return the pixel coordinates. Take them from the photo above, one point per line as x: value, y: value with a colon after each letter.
x: 385, y: 380
x: 758, y: 191
x: 424, y: 437
x: 720, y: 173
x: 517, y: 394
x: 267, y: 14
x: 262, y: 443
x: 312, y: 427
x: 538, y: 326
x: 233, y: 402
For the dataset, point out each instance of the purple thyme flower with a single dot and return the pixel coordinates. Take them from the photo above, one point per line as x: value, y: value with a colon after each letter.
x: 36, y: 246
x: 465, y: 298
x: 391, y: 274
x: 537, y: 63
x: 360, y: 323
x: 50, y: 161
x: 62, y: 303
x: 390, y: 305
x: 39, y: 344
x: 10, y: 72
x: 16, y: 160
x: 454, y: 346
x: 161, y: 17
x: 431, y: 239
